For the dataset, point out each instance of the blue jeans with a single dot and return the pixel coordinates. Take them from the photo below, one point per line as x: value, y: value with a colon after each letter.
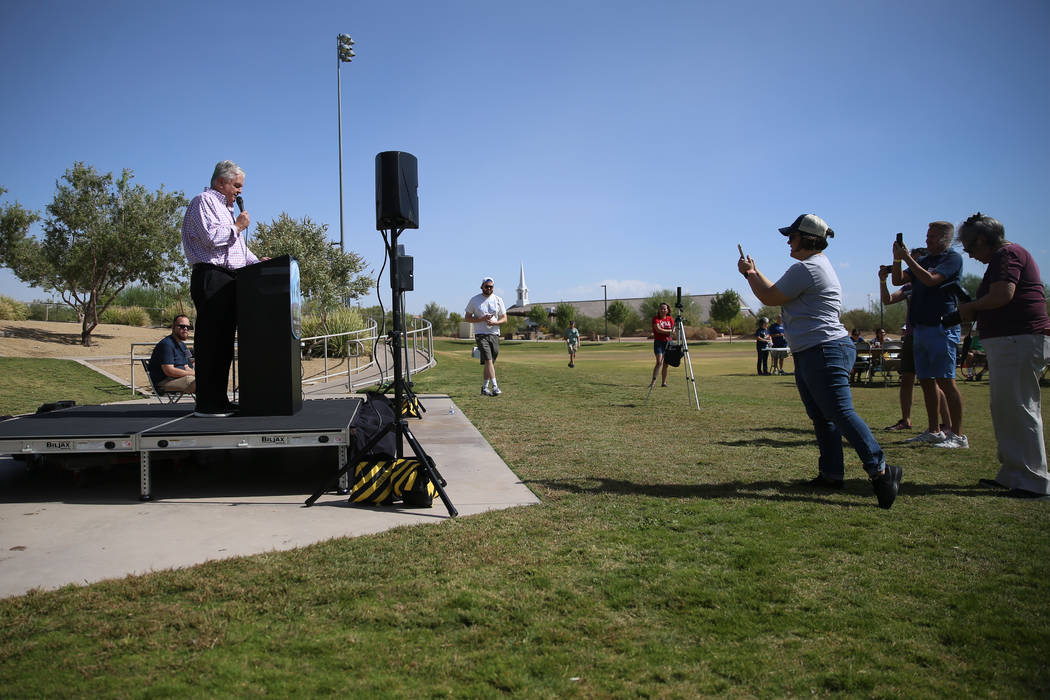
x: 822, y: 377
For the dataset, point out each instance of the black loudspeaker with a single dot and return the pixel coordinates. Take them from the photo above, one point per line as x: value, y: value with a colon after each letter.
x: 269, y: 326
x: 406, y: 273
x: 397, y: 199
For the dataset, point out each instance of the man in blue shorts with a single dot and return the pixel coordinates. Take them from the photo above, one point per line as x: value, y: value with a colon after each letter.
x: 934, y: 345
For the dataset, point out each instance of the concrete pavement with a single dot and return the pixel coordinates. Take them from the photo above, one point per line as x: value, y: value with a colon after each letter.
x: 59, y: 531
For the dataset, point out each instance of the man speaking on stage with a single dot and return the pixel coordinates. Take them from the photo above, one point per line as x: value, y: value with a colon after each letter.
x: 216, y: 247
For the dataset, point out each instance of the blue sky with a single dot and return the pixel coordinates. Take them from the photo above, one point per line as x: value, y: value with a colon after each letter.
x: 620, y: 143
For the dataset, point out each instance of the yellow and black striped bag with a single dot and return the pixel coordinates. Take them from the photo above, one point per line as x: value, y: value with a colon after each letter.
x: 412, y: 485
x: 384, y: 481
x: 411, y: 407
x: 372, y: 482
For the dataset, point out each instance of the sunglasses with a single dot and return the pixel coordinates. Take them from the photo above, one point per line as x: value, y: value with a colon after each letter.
x: 183, y: 326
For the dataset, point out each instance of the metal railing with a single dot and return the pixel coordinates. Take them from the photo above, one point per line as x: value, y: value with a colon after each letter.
x: 418, y: 355
x: 358, y: 344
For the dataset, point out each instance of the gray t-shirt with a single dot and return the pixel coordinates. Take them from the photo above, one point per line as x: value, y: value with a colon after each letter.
x: 812, y: 315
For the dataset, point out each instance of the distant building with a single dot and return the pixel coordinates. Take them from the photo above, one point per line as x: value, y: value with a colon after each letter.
x: 596, y: 308
x: 523, y: 290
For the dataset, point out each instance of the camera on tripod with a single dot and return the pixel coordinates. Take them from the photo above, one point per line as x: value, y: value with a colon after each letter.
x: 676, y: 350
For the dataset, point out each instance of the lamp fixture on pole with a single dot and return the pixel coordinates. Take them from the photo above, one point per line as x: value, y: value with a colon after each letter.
x: 605, y: 299
x: 344, y: 53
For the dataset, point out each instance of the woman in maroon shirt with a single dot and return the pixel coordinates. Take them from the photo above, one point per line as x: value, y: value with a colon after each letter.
x: 1010, y: 309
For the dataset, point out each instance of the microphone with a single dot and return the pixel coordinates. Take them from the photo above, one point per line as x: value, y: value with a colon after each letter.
x: 240, y: 202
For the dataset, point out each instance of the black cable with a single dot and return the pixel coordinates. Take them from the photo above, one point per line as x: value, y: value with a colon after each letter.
x: 382, y: 311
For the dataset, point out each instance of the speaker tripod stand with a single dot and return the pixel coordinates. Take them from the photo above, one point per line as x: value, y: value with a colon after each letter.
x: 401, y: 391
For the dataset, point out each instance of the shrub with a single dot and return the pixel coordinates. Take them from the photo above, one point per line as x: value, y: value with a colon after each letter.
x: 12, y: 310
x: 125, y: 316
x: 164, y: 317
x: 43, y: 311
x: 340, y: 320
x: 701, y: 333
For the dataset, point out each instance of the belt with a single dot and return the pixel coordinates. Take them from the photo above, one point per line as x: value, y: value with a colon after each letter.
x: 200, y: 267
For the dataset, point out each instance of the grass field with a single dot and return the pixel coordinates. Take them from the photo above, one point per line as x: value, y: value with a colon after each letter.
x: 675, y: 553
x: 28, y: 383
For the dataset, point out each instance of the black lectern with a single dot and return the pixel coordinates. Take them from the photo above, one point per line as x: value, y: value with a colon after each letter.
x: 269, y: 323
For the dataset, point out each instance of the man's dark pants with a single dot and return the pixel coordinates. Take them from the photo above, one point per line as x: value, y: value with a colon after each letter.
x: 214, y: 293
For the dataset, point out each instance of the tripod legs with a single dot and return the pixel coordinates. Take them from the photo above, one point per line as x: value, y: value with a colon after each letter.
x: 690, y: 377
x: 679, y: 336
x: 429, y: 469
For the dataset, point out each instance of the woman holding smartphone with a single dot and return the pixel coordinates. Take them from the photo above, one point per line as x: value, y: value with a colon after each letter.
x: 811, y: 297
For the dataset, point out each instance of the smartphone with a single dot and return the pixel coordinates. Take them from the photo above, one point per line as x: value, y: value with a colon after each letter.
x: 900, y: 239
x: 738, y: 247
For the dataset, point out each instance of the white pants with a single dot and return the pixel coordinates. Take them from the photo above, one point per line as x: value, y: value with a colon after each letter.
x: 1014, y: 365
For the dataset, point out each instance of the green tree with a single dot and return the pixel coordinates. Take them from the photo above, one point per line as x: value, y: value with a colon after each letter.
x: 864, y: 320
x: 512, y: 325
x: 970, y: 283
x: 101, y: 234
x: 378, y: 314
x: 770, y: 312
x: 454, y: 319
x: 329, y: 277
x: 651, y: 304
x: 725, y: 308
x: 590, y: 326
x: 562, y: 316
x: 538, y: 315
x: 617, y: 314
x: 438, y: 317
x: 635, y: 324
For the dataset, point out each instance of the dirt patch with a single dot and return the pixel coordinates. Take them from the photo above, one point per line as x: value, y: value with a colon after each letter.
x: 59, y: 339
x: 110, y: 351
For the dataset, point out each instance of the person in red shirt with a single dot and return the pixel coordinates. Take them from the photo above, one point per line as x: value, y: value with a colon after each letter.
x: 663, y: 325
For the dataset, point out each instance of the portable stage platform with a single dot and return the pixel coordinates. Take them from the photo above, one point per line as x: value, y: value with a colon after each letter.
x: 151, y: 428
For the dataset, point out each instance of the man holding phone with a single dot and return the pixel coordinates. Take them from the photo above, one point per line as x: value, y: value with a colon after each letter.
x: 487, y: 312
x: 934, y: 345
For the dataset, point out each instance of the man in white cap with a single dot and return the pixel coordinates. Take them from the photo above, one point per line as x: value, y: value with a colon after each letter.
x: 487, y: 312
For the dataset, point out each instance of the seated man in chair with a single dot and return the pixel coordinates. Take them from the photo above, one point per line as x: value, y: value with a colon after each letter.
x: 171, y: 364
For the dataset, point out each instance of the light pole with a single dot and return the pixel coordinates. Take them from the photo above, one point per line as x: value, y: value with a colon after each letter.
x: 605, y: 305
x: 344, y: 53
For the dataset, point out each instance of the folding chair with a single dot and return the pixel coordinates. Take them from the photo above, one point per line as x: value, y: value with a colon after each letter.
x: 863, y: 362
x: 162, y: 396
x: 889, y: 361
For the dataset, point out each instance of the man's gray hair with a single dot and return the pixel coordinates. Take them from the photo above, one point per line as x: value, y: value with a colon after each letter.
x: 225, y: 170
x: 945, y: 232
x: 982, y: 225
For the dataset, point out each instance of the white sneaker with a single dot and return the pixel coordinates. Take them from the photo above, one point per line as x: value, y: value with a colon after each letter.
x: 495, y: 390
x: 485, y: 391
x: 953, y: 440
x: 927, y: 438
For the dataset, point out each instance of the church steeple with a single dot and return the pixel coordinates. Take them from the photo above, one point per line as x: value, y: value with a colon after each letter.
x: 523, y: 291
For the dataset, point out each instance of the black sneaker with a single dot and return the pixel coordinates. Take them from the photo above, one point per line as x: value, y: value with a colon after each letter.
x: 1023, y: 493
x: 823, y: 482
x: 205, y: 413
x: 887, y: 485
x: 992, y: 483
